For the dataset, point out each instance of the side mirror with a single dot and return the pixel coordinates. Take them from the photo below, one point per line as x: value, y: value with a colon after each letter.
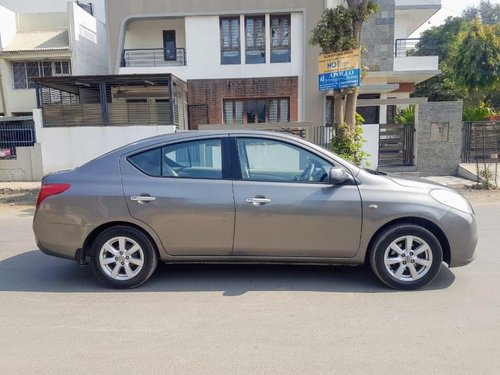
x: 337, y: 176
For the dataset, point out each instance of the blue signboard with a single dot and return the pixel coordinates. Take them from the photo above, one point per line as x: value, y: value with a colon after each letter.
x: 339, y: 80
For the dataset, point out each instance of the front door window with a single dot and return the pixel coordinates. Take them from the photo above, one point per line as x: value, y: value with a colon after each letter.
x: 270, y: 160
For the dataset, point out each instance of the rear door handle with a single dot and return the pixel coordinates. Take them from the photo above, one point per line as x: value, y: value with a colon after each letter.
x: 258, y: 201
x: 141, y: 199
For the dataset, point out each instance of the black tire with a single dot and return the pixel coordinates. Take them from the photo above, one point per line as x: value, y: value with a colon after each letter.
x: 389, y: 276
x: 147, y: 254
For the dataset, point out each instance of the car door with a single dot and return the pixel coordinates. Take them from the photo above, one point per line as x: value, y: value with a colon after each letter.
x: 184, y: 193
x: 285, y: 206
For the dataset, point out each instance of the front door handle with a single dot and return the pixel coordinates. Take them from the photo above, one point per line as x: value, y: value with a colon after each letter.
x: 141, y: 199
x: 258, y: 201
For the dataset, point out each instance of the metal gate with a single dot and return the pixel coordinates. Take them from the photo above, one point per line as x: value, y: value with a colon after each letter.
x: 481, y: 141
x: 15, y: 133
x: 396, y: 144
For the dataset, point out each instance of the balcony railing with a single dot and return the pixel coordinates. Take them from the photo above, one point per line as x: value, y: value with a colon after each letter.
x: 152, y: 57
x: 405, y: 47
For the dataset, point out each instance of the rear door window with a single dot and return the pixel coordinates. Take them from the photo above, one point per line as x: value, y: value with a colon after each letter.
x: 194, y: 159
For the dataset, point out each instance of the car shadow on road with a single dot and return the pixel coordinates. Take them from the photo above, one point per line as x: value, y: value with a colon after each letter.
x: 34, y: 271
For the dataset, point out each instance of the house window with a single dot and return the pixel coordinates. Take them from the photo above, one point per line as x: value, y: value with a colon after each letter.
x: 61, y: 67
x: 23, y: 71
x: 253, y: 111
x: 391, y: 114
x: 255, y: 40
x: 230, y: 40
x: 280, y: 39
x: 371, y: 114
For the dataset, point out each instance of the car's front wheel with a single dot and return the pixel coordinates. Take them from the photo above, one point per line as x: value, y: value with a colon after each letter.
x: 406, y: 256
x: 122, y: 257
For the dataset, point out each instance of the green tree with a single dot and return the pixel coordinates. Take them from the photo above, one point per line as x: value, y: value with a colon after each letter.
x: 339, y: 29
x: 446, y: 41
x: 437, y: 41
x: 475, y: 61
x: 478, y: 113
x: 406, y: 115
x: 487, y: 12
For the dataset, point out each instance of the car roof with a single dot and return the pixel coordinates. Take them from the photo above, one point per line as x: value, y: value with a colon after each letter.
x: 194, y: 134
x: 179, y: 135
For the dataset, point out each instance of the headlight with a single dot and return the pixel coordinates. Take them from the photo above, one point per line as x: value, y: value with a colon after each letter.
x: 451, y: 199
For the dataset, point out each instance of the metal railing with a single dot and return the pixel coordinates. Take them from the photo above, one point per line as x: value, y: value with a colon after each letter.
x: 405, y: 47
x: 153, y: 57
x: 480, y: 141
x: 13, y: 135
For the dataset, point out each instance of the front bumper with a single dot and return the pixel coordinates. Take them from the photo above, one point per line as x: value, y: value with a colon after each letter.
x: 461, y: 231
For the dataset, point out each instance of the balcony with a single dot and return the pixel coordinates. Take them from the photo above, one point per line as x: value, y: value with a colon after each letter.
x: 153, y: 57
x: 406, y: 47
x: 408, y: 61
x: 408, y: 58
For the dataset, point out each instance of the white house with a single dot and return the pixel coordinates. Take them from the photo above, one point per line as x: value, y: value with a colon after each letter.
x: 40, y: 38
x: 227, y: 52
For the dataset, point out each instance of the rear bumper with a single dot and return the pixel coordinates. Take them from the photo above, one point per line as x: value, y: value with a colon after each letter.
x: 60, y: 240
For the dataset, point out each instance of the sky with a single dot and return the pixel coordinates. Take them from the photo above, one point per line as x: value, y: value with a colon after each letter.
x: 448, y: 8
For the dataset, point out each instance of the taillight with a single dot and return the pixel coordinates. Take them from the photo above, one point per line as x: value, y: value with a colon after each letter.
x: 50, y: 189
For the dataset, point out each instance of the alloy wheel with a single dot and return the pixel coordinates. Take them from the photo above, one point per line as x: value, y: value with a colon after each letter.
x: 121, y: 258
x: 408, y: 258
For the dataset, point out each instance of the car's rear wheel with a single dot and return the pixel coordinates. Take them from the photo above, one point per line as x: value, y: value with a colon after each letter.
x: 122, y: 257
x: 406, y: 256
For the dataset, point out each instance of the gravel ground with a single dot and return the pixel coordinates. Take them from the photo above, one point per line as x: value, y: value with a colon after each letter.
x: 480, y: 196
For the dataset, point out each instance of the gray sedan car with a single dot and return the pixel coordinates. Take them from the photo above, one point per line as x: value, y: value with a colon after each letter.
x: 246, y: 196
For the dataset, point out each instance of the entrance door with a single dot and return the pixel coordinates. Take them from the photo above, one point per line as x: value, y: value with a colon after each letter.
x: 169, y: 46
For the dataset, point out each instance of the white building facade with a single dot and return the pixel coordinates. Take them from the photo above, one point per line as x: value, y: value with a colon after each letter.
x: 220, y: 41
x: 47, y: 39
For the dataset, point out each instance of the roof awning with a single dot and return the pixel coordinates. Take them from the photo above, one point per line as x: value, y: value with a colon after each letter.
x: 39, y: 40
x: 404, y: 76
x: 73, y: 83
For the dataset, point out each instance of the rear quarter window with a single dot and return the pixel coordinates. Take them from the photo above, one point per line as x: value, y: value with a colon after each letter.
x: 148, y: 162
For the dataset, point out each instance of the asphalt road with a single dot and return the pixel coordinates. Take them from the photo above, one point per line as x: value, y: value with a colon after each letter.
x: 55, y: 319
